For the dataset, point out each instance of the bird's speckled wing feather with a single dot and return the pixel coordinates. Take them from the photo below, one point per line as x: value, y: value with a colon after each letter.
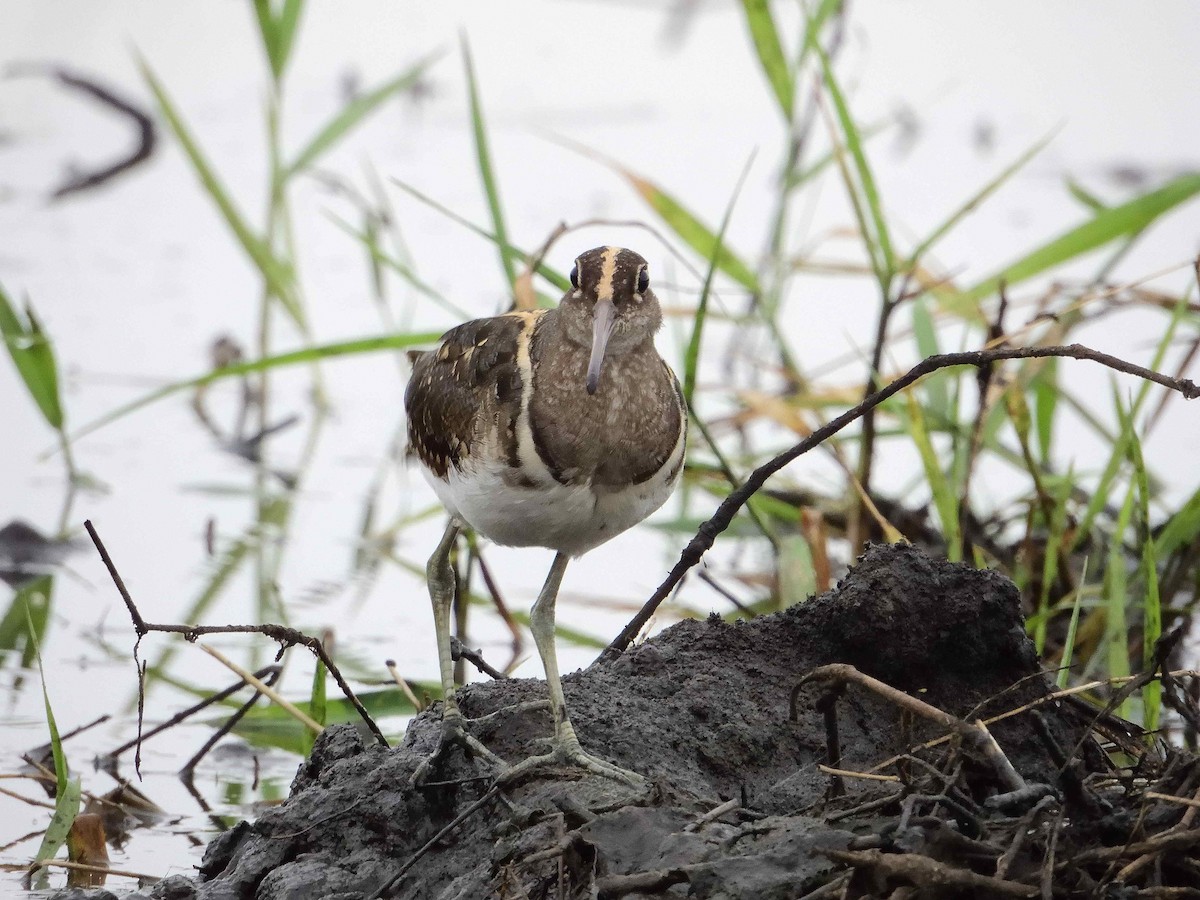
x: 469, y: 383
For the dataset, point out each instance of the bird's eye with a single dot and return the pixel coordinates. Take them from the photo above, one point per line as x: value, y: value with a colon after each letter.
x: 643, y: 281
x: 575, y: 276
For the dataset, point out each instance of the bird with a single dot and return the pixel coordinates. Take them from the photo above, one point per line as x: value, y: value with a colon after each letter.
x: 557, y: 428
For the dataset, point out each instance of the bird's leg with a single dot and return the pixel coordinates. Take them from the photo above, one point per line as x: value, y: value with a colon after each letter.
x: 566, y: 749
x: 440, y: 576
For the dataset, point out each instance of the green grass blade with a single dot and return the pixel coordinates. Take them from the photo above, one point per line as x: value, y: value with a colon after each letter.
x: 317, y: 707
x: 1045, y: 403
x: 67, y: 790
x: 770, y: 53
x: 692, y: 231
x: 1051, y: 555
x: 66, y: 808
x: 33, y: 355
x: 287, y: 26
x: 24, y: 624
x: 352, y: 114
x: 1064, y: 672
x: 278, y: 32
x: 1152, y: 604
x: 1181, y: 529
x: 275, y: 273
x: 269, y: 33
x: 691, y: 359
x: 281, y: 360
x: 935, y: 387
x: 944, y: 497
x: 552, y: 275
x: 866, y: 179
x: 1106, y: 226
x: 483, y: 158
x: 977, y: 199
x: 1084, y: 196
x: 377, y: 253
x: 1116, y: 598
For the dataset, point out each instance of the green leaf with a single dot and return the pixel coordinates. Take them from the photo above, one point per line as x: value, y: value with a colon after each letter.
x: 295, y: 357
x: 797, y: 574
x: 944, y: 499
x: 1152, y: 603
x: 1106, y: 226
x: 271, y: 726
x: 317, y: 705
x: 1084, y: 196
x: 552, y: 275
x: 277, y: 274
x: 382, y: 257
x: 1045, y: 399
x: 24, y: 624
x: 33, y: 356
x: 770, y: 54
x: 691, y: 359
x: 1116, y: 596
x: 879, y: 242
x: 1064, y: 672
x: 692, y: 231
x: 483, y: 157
x: 353, y: 113
x: 278, y: 32
x: 937, y: 393
x: 1181, y: 529
x: 978, y: 198
x: 67, y: 790
x: 66, y: 808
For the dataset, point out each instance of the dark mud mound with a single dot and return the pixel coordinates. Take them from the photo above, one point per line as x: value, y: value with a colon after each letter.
x: 736, y: 805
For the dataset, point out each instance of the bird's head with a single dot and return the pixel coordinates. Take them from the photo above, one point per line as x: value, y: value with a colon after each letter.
x: 610, y: 307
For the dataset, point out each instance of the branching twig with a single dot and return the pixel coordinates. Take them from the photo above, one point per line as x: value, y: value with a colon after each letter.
x: 977, y: 734
x: 925, y: 872
x: 285, y: 636
x: 708, y: 532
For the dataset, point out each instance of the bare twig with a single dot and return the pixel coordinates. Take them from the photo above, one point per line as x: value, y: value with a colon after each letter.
x: 708, y: 532
x: 847, y: 773
x: 459, y: 650
x: 146, y: 138
x: 479, y: 804
x: 98, y: 870
x: 267, y: 672
x: 713, y: 814
x: 609, y: 887
x: 272, y: 673
x: 403, y: 685
x: 926, y: 872
x: 285, y: 636
x: 976, y: 734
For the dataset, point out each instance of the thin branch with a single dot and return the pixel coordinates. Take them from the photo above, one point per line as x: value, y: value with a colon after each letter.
x: 386, y: 888
x: 976, y: 734
x: 708, y: 532
x: 285, y: 636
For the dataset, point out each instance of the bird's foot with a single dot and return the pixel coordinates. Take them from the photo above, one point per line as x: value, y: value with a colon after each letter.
x: 567, y: 752
x: 454, y: 734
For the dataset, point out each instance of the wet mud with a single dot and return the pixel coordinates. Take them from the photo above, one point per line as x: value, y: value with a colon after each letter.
x: 736, y: 805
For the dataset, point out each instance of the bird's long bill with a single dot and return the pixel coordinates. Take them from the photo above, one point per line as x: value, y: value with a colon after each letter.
x: 604, y: 317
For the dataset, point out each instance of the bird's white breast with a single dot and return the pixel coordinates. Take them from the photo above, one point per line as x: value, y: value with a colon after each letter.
x: 569, y: 518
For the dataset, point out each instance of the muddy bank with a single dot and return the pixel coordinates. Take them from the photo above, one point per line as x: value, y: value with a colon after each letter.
x: 703, y: 712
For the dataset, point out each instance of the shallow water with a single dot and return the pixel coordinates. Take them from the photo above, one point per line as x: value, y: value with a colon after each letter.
x: 135, y: 280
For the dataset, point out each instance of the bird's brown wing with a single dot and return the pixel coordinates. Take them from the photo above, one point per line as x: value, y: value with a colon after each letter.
x: 463, y: 385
